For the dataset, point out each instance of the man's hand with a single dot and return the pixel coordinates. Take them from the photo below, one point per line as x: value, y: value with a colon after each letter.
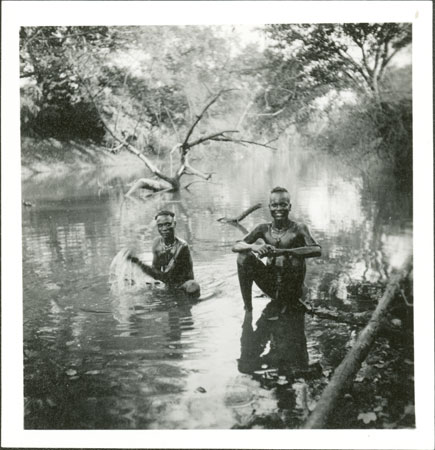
x: 263, y: 249
x: 130, y: 256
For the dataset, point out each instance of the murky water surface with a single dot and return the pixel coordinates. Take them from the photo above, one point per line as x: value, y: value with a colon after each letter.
x: 147, y: 359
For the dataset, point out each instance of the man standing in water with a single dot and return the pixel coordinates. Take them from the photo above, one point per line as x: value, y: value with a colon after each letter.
x: 172, y: 262
x: 286, y: 244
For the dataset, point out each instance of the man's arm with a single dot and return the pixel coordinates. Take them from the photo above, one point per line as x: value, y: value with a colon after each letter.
x: 151, y: 271
x: 311, y: 248
x: 184, y: 263
x: 303, y: 252
x: 248, y: 243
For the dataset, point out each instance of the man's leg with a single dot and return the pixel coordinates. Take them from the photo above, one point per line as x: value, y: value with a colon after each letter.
x: 250, y: 269
x: 292, y: 285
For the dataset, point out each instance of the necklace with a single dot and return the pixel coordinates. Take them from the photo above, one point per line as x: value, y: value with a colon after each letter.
x: 277, y: 233
x: 167, y: 247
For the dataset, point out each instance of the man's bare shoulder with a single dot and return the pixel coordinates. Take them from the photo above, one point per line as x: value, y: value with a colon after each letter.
x: 299, y: 226
x: 156, y: 243
x: 182, y: 242
x: 262, y: 227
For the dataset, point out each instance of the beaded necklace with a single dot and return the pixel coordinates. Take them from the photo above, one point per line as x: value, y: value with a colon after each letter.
x: 277, y: 234
x: 168, y: 247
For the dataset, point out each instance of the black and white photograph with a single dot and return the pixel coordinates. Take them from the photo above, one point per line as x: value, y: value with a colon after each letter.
x: 218, y: 224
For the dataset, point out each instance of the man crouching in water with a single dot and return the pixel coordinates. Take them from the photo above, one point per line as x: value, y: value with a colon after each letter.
x: 286, y: 244
x: 172, y: 262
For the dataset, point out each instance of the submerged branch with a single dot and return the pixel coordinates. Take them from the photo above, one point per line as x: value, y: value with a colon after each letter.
x: 148, y: 183
x: 198, y: 181
x: 241, y: 216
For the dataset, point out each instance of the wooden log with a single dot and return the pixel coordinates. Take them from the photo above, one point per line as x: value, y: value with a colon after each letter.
x: 148, y: 183
x: 241, y: 216
x: 351, y: 364
x: 360, y: 318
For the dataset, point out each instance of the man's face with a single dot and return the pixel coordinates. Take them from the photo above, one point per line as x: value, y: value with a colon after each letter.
x: 166, y: 226
x: 279, y: 205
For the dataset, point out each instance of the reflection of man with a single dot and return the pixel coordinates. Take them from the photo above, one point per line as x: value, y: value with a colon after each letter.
x: 286, y: 244
x: 172, y: 262
x: 286, y: 337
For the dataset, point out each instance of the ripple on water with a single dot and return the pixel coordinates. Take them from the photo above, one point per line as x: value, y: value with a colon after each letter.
x: 140, y: 357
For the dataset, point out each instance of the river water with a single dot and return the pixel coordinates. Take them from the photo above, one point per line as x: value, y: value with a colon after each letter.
x: 146, y: 359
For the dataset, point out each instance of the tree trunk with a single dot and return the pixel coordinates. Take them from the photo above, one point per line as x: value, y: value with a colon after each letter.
x: 351, y: 364
x: 149, y: 183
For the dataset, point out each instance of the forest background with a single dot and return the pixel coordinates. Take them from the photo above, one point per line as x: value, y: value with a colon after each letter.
x: 344, y: 89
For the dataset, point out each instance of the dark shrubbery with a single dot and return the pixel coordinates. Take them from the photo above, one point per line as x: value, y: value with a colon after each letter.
x: 371, y: 136
x: 64, y: 122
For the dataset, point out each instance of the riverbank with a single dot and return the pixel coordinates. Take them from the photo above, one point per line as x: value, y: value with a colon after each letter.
x: 53, y: 156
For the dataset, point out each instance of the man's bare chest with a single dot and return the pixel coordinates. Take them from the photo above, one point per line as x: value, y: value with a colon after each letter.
x: 289, y: 238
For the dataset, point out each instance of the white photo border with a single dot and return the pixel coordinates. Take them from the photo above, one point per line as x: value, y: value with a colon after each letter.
x: 35, y: 13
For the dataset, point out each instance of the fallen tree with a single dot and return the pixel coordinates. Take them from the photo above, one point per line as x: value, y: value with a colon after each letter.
x: 162, y: 181
x: 351, y: 364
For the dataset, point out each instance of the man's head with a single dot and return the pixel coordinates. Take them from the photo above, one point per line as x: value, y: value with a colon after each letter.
x: 279, y: 203
x: 166, y: 224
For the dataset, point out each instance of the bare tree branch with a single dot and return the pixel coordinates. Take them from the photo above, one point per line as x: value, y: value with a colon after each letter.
x: 241, y: 216
x: 270, y: 114
x: 198, y: 181
x: 189, y: 170
x: 127, y: 145
x: 245, y: 112
x: 243, y: 141
x: 148, y: 183
x: 201, y: 114
x: 386, y: 61
x: 208, y: 137
x: 364, y: 56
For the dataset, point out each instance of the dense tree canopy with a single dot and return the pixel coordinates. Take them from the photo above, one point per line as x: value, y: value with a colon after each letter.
x: 53, y: 57
x: 142, y: 78
x: 340, y: 55
x: 149, y: 83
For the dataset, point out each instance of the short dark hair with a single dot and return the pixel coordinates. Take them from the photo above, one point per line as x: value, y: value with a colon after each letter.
x: 279, y: 189
x: 164, y: 212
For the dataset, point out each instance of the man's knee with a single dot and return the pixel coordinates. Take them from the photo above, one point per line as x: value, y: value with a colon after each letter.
x: 244, y: 259
x: 191, y: 288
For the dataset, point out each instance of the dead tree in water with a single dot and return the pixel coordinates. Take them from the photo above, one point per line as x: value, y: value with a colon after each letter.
x: 162, y: 181
x: 349, y: 367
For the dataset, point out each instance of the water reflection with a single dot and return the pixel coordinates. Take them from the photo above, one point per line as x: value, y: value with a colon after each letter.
x: 95, y: 359
x: 278, y: 344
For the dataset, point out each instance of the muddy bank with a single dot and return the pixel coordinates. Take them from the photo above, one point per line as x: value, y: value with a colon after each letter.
x: 53, y: 156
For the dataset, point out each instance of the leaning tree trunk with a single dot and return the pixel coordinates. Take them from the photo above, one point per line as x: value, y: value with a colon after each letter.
x: 351, y: 364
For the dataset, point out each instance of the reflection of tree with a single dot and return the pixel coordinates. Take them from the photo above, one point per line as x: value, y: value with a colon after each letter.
x: 375, y: 247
